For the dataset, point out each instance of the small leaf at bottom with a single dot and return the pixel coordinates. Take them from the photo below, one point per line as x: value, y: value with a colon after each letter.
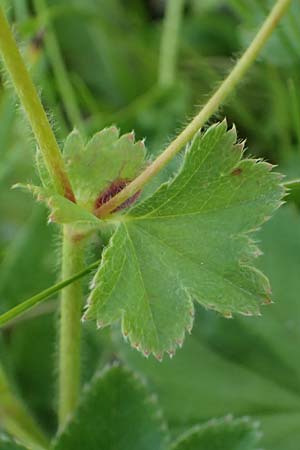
x: 115, y: 413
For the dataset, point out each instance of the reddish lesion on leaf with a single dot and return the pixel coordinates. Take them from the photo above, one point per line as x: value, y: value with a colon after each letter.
x: 113, y: 189
x: 237, y: 171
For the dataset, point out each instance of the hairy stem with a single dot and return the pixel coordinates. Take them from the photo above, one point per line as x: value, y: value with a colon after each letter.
x: 22, y: 308
x: 70, y: 326
x: 34, y: 110
x: 169, y: 43
x: 16, y: 420
x: 208, y: 110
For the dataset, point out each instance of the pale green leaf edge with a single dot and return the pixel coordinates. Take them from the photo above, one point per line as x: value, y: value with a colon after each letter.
x: 251, y: 427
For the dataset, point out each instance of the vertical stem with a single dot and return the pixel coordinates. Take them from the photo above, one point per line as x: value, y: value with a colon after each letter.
x: 15, y: 418
x: 70, y: 326
x: 34, y: 109
x: 169, y: 41
x: 69, y: 360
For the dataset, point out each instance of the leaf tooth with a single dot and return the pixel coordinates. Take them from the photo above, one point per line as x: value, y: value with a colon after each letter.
x: 179, y: 342
x: 113, y: 129
x: 141, y: 143
x: 211, y: 306
x: 130, y: 136
x: 232, y: 131
x: 268, y: 166
x: 241, y: 145
x: 224, y: 124
x: 136, y: 345
x: 171, y: 353
x: 40, y: 198
x: 100, y: 324
x: 267, y: 301
x: 247, y: 313
x: 192, y: 312
x: 257, y: 252
x: 158, y: 356
x: 51, y: 219
x: 146, y: 353
x: 190, y: 321
x: 141, y: 147
x: 267, y: 218
x: 227, y: 315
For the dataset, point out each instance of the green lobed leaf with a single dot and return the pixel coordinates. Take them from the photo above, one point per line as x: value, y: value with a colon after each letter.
x: 221, y: 434
x: 189, y: 241
x: 246, y: 366
x: 104, y: 159
x: 116, y: 412
x: 94, y: 169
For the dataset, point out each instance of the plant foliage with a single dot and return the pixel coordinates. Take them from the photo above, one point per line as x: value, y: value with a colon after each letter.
x: 189, y: 241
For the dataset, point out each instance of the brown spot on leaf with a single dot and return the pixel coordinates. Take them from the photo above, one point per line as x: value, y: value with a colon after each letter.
x: 237, y: 171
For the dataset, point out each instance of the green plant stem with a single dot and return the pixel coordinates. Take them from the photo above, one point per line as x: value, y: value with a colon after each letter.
x: 60, y: 72
x: 16, y: 420
x: 169, y: 43
x: 70, y: 326
x: 30, y: 303
x: 237, y: 74
x: 34, y: 109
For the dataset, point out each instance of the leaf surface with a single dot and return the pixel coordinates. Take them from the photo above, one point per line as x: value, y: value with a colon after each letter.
x: 222, y: 434
x: 128, y: 418
x: 189, y: 241
x: 97, y: 170
x: 246, y: 366
x: 105, y: 158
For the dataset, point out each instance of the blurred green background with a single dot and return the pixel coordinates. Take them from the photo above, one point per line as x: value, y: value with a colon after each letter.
x: 96, y: 63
